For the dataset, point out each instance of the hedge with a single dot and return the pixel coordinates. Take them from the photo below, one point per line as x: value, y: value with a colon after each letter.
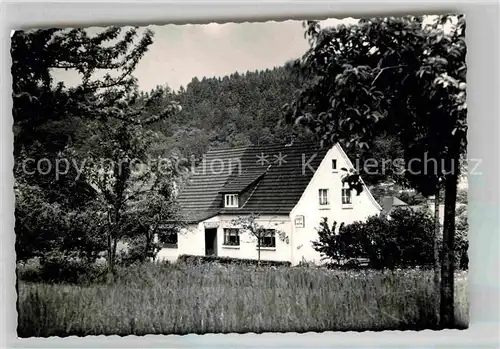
x: 190, y: 259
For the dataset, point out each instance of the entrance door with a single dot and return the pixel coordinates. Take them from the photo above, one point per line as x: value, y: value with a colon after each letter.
x: 210, y: 242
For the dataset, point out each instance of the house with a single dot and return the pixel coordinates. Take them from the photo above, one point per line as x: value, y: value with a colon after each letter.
x: 290, y: 187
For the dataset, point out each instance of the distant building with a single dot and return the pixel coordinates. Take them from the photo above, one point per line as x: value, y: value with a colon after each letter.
x: 389, y: 204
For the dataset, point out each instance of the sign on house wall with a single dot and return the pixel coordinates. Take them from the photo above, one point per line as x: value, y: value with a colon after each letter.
x: 211, y: 225
x: 299, y: 222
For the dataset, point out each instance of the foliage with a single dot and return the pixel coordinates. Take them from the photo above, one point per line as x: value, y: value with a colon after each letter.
x: 230, y: 111
x: 48, y: 117
x: 462, y: 196
x: 57, y: 269
x: 410, y: 197
x: 403, y: 241
x: 135, y: 189
x: 461, y: 237
x: 150, y: 222
x: 43, y: 227
x: 106, y: 118
x: 385, y: 76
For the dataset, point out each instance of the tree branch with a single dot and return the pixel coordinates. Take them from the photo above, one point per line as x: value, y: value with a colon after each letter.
x: 387, y: 68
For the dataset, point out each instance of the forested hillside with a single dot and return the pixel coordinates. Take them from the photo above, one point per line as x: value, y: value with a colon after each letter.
x: 229, y: 111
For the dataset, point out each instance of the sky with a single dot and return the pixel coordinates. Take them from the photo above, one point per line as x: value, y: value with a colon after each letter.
x: 181, y: 52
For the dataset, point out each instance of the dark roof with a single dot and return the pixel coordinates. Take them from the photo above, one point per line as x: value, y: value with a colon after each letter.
x: 391, y: 202
x: 239, y: 183
x: 275, y: 188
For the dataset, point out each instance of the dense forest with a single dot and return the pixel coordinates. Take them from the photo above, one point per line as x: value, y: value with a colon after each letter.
x: 230, y: 111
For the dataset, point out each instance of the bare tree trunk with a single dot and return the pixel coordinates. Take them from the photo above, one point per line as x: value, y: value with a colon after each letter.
x: 148, y: 245
x: 111, y: 263
x: 115, y: 241
x: 109, y: 275
x: 112, y: 243
x: 258, y: 252
x: 437, y: 233
x: 447, y: 311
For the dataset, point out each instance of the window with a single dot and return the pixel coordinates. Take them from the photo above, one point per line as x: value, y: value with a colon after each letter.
x: 268, y: 238
x: 231, y: 237
x: 231, y: 200
x: 168, y: 238
x: 323, y: 197
x: 346, y: 196
x: 334, y: 164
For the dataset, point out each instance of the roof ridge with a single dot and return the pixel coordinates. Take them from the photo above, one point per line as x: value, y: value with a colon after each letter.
x: 226, y: 149
x: 253, y: 146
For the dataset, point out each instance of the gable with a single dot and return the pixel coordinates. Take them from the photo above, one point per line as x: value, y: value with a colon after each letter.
x: 351, y: 166
x: 330, y: 179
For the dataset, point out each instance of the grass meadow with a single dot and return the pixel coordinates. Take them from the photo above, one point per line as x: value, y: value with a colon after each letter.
x: 210, y: 298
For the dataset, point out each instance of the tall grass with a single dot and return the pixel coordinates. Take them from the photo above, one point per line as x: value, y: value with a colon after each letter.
x: 180, y: 299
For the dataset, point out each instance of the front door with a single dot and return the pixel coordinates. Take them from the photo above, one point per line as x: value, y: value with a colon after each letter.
x: 211, y: 242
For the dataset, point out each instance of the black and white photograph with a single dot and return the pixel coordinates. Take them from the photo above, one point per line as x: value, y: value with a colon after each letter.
x: 272, y: 176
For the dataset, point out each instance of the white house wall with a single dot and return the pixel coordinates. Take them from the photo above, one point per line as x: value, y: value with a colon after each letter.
x: 168, y: 254
x: 191, y: 241
x: 248, y: 243
x: 308, y: 206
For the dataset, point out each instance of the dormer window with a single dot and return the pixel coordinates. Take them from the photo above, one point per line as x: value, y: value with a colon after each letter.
x: 231, y: 200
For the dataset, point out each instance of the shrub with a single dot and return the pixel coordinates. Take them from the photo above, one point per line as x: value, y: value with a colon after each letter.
x: 406, y: 240
x: 59, y: 269
x: 190, y: 259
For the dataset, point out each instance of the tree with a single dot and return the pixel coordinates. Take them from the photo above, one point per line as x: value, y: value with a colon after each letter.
x: 258, y: 231
x: 37, y: 101
x: 401, y: 76
x: 109, y: 116
x: 127, y: 176
x: 48, y: 117
x: 152, y: 219
x: 43, y: 227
